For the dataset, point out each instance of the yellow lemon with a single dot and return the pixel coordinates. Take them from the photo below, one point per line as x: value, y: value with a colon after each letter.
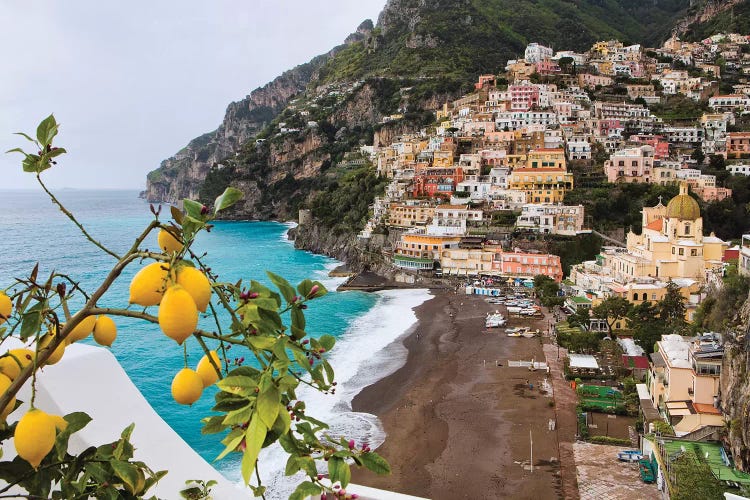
x: 196, y: 284
x: 187, y: 386
x: 4, y: 384
x: 105, y: 331
x: 60, y: 423
x: 147, y: 287
x: 168, y: 243
x: 57, y: 354
x: 178, y: 316
x: 6, y: 306
x: 34, y: 436
x: 9, y: 364
x: 9, y: 367
x: 82, y: 329
x: 207, y: 371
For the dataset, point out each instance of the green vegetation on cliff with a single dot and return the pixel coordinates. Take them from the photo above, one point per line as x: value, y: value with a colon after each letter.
x: 464, y: 38
x: 733, y: 20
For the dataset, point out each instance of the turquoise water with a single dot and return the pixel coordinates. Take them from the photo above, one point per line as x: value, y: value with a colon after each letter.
x: 33, y: 230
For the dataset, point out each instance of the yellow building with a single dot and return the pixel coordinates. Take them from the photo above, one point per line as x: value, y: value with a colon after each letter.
x: 545, y: 178
x: 671, y: 244
x: 410, y: 214
x: 419, y: 251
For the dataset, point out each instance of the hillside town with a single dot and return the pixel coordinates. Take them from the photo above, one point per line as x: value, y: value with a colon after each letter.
x: 501, y: 160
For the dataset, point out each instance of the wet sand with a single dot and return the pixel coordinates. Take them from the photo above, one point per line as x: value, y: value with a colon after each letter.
x: 457, y: 424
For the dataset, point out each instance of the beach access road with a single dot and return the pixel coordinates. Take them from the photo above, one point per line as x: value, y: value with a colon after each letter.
x: 459, y: 421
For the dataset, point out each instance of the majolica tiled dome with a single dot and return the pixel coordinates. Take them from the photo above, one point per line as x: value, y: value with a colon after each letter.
x: 683, y: 206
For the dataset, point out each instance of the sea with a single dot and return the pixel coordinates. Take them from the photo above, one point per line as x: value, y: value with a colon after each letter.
x: 366, y: 325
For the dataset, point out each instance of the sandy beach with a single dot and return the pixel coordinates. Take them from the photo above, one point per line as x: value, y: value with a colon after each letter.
x: 458, y: 418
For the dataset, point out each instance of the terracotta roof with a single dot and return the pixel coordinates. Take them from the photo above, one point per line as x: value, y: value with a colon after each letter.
x: 656, y: 225
x: 704, y: 408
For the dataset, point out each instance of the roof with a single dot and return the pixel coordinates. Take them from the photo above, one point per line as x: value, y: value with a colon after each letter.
x: 683, y: 207
x: 675, y: 349
x: 656, y: 225
x: 583, y: 361
x: 704, y: 408
x: 639, y: 362
x: 579, y: 300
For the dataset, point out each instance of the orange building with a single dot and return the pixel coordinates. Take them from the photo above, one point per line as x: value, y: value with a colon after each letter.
x: 419, y: 251
x: 545, y: 178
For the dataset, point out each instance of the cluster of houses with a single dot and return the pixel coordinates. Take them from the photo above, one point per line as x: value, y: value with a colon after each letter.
x: 512, y: 148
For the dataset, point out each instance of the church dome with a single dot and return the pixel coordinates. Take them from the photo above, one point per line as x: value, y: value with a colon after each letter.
x: 683, y: 206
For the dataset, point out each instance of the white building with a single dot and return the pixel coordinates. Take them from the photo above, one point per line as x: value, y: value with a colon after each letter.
x: 744, y: 261
x: 535, y: 53
x: 578, y: 148
x: 551, y: 219
x: 452, y: 219
x: 739, y: 169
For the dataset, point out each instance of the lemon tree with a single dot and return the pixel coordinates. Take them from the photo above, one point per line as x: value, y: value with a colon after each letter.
x: 256, y: 404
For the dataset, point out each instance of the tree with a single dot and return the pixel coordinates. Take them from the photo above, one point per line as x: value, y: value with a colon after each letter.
x: 644, y: 322
x: 672, y: 309
x: 256, y: 403
x: 581, y: 317
x: 612, y: 310
x: 698, y: 155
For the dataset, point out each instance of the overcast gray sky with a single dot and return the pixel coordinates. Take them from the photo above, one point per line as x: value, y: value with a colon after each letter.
x: 133, y: 82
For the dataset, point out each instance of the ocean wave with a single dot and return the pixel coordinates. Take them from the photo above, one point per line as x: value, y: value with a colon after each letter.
x: 366, y: 353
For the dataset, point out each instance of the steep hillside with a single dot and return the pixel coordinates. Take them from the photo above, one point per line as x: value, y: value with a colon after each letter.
x: 417, y: 56
x: 716, y: 16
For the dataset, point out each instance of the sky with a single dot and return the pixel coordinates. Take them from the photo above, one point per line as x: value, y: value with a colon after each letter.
x: 131, y: 83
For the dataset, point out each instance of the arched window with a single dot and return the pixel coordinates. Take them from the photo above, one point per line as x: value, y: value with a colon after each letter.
x: 635, y: 296
x: 687, y: 229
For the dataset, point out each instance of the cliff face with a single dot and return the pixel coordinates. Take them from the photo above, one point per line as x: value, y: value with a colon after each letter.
x: 182, y: 175
x: 735, y: 389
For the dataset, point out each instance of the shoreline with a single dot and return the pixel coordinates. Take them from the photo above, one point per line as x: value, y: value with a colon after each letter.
x: 457, y: 425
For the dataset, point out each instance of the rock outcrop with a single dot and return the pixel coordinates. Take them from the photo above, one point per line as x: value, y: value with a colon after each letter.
x: 735, y: 388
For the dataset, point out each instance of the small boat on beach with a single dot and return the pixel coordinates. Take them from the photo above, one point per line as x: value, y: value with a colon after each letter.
x: 494, y: 320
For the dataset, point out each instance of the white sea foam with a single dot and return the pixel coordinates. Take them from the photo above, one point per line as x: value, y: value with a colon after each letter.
x: 285, y: 235
x: 366, y: 353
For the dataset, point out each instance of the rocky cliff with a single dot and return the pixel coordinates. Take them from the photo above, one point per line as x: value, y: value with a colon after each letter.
x: 735, y: 387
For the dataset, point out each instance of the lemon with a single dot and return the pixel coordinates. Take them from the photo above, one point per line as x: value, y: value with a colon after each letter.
x: 196, y: 284
x: 9, y: 367
x: 57, y: 354
x: 178, y: 315
x: 4, y: 384
x: 147, y: 287
x: 187, y: 386
x: 207, y: 371
x: 60, y: 423
x: 34, y: 436
x: 6, y: 306
x: 105, y: 331
x: 168, y: 243
x: 82, y: 329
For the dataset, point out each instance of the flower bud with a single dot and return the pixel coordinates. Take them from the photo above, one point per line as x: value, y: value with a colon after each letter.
x: 351, y: 444
x: 204, y: 210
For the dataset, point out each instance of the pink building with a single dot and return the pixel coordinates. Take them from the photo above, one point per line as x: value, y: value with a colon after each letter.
x: 547, y: 67
x: 485, y: 80
x: 527, y: 265
x: 523, y: 96
x: 630, y: 165
x: 659, y: 143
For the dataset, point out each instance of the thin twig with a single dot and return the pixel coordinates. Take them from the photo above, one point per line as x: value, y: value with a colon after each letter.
x: 75, y: 221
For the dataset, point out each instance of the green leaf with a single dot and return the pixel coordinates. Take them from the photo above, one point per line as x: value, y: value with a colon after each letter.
x: 127, y: 472
x: 176, y: 214
x: 327, y: 342
x: 305, y: 490
x: 298, y: 333
x: 229, y: 197
x: 338, y: 470
x: 292, y: 465
x: 231, y: 446
x: 237, y: 385
x: 298, y: 318
x: 25, y: 135
x: 46, y: 131
x: 239, y: 416
x: 213, y: 425
x: 289, y: 443
x: 375, y: 463
x: 245, y: 371
x: 283, y: 421
x: 193, y: 209
x: 268, y: 405
x: 261, y: 342
x: 329, y: 370
x: 76, y: 421
x: 283, y: 285
x: 32, y: 320
x: 304, y: 287
x: 16, y: 150
x: 254, y: 437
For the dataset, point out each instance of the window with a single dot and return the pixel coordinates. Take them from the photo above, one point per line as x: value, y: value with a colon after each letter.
x: 693, y: 252
x: 682, y: 251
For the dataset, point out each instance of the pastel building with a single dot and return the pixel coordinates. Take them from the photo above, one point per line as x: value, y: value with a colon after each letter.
x: 545, y: 178
x: 738, y: 145
x: 683, y: 381
x: 410, y: 214
x: 631, y: 165
x: 565, y: 220
x: 418, y: 251
x: 744, y: 258
x: 493, y: 261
